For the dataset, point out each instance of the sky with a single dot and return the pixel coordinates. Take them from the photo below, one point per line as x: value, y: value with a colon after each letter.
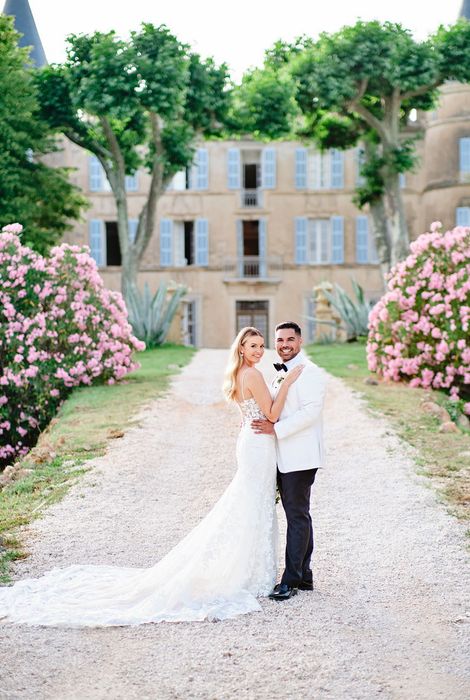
x: 236, y: 32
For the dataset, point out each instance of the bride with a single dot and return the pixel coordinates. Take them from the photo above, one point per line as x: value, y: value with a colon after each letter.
x: 217, y: 571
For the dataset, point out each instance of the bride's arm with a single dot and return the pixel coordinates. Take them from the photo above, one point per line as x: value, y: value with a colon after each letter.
x: 254, y: 381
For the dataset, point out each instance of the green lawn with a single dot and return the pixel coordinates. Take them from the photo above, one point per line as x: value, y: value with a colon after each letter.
x: 79, y: 432
x: 444, y: 457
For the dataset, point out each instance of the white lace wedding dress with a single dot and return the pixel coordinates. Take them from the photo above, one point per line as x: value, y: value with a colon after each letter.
x: 216, y: 572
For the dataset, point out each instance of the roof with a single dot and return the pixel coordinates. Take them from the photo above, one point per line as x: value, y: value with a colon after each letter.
x: 25, y: 24
x: 465, y: 9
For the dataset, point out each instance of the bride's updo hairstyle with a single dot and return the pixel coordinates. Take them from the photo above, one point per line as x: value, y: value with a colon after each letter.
x: 235, y: 361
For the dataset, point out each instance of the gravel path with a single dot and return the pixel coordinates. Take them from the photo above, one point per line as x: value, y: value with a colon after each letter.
x: 387, y: 618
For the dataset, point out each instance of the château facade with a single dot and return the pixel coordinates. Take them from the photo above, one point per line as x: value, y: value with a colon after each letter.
x: 252, y: 228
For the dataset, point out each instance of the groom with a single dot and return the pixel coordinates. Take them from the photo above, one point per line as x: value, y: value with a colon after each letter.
x: 299, y: 454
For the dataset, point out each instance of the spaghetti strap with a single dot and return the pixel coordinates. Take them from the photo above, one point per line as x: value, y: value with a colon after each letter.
x: 242, y: 385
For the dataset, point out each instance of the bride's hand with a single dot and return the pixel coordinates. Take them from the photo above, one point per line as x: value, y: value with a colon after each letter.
x: 293, y: 374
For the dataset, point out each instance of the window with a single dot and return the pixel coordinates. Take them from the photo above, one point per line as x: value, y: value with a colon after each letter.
x: 184, y: 242
x: 319, y: 241
x: 193, y: 177
x: 253, y: 313
x: 366, y: 252
x: 319, y: 170
x: 113, y: 249
x: 132, y: 182
x: 189, y: 322
x: 462, y: 216
x: 464, y: 155
x: 105, y: 248
x: 98, y: 182
x: 251, y: 168
x: 251, y: 248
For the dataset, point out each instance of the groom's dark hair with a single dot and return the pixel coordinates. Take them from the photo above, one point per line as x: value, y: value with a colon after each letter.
x: 289, y: 324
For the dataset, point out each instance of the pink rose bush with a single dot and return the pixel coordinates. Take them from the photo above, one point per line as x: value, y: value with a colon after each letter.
x: 59, y: 328
x: 419, y: 330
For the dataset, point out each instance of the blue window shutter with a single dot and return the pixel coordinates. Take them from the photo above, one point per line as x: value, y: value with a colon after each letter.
x: 301, y: 168
x: 132, y: 223
x: 402, y: 180
x: 262, y: 248
x: 337, y: 239
x: 96, y: 233
x: 95, y: 174
x: 233, y: 168
x: 337, y: 169
x: 464, y: 148
x: 462, y: 216
x: 362, y: 239
x: 202, y: 242
x: 240, y: 247
x: 300, y: 240
x: 166, y: 242
x: 132, y: 182
x: 268, y: 168
x: 202, y: 161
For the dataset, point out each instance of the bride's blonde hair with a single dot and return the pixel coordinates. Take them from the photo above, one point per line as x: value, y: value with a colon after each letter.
x: 235, y: 361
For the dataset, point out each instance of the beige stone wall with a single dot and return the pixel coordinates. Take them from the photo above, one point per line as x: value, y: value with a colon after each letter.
x: 445, y: 188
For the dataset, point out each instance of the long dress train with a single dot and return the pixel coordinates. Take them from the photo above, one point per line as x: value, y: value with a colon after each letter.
x: 216, y: 572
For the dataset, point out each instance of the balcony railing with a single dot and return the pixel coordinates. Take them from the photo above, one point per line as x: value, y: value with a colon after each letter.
x: 252, y: 267
x: 251, y: 198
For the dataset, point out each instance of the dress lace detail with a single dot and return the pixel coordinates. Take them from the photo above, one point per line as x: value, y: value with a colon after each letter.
x: 216, y: 572
x: 250, y: 411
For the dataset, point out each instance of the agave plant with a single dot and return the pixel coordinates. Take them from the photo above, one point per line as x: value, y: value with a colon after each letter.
x: 354, y: 314
x: 151, y: 318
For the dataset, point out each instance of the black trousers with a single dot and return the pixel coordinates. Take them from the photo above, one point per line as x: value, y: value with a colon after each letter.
x: 295, y: 489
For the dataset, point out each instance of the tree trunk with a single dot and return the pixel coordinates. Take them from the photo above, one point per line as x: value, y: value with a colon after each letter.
x: 381, y: 235
x: 129, y: 257
x: 129, y: 272
x: 396, y: 220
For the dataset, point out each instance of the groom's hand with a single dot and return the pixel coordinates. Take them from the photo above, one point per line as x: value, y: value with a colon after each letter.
x: 263, y: 427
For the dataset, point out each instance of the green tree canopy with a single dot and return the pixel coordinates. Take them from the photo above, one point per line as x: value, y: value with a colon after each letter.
x: 263, y: 105
x: 140, y: 103
x: 361, y: 84
x: 38, y: 196
x: 358, y: 86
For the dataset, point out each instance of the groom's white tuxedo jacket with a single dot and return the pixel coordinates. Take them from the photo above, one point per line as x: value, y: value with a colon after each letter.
x: 299, y: 430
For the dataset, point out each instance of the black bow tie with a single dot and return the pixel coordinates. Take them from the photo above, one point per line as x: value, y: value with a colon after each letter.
x: 280, y: 365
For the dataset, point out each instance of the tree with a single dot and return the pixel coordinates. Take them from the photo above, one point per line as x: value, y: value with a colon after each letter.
x: 31, y: 192
x: 137, y: 103
x: 263, y: 104
x: 368, y: 78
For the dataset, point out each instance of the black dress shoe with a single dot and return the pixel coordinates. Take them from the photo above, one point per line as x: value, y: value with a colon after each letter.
x: 283, y: 592
x: 305, y: 586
